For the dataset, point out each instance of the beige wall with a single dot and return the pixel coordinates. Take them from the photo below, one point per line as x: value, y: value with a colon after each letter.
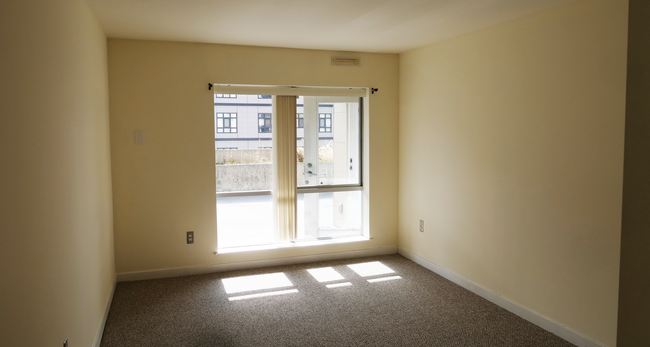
x: 634, y: 298
x: 167, y: 186
x: 56, y: 253
x: 511, y: 150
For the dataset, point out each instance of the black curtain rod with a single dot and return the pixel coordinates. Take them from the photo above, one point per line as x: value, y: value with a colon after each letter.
x: 372, y: 90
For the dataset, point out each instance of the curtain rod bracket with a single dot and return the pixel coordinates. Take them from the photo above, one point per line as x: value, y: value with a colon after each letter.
x: 209, y: 86
x: 373, y: 90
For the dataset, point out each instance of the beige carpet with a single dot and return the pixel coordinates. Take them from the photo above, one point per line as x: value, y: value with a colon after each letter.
x: 418, y: 309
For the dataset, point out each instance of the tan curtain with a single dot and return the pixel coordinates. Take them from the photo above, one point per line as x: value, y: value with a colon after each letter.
x: 284, y: 167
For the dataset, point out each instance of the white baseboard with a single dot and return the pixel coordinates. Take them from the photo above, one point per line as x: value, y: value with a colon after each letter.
x: 533, y: 317
x: 198, y: 270
x: 100, y: 333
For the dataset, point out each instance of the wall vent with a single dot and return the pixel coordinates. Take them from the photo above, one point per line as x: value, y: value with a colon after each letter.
x: 339, y: 61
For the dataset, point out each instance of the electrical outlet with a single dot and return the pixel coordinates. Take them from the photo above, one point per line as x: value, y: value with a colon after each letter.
x: 190, y: 237
x: 421, y: 226
x: 65, y: 343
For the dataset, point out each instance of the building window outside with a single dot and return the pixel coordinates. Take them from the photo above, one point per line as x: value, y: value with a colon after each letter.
x: 325, y: 122
x: 226, y: 95
x: 226, y: 122
x: 264, y: 122
x: 264, y: 97
x: 300, y: 121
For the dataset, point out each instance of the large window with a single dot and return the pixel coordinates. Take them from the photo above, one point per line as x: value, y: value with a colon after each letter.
x: 328, y: 192
x: 226, y: 122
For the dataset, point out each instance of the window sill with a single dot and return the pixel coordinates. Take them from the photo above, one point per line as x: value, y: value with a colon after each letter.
x: 295, y: 244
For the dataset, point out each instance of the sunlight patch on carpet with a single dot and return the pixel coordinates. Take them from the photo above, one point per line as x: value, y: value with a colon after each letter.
x: 255, y: 282
x: 336, y: 285
x: 373, y: 268
x: 259, y: 295
x: 381, y: 279
x: 325, y: 274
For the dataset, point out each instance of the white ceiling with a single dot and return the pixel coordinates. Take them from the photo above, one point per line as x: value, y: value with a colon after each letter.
x: 390, y: 26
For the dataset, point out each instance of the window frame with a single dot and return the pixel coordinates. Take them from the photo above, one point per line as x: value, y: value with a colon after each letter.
x: 362, y: 102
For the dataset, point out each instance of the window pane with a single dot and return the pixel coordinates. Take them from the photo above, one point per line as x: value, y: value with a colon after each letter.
x: 329, y: 215
x: 330, y: 147
x: 243, y: 163
x: 245, y: 220
x: 243, y: 158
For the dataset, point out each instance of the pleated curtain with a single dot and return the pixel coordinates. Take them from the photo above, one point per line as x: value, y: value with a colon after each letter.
x: 284, y: 167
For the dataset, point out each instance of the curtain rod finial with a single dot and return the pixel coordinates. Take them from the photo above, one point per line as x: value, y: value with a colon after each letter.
x: 209, y: 86
x: 373, y: 90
